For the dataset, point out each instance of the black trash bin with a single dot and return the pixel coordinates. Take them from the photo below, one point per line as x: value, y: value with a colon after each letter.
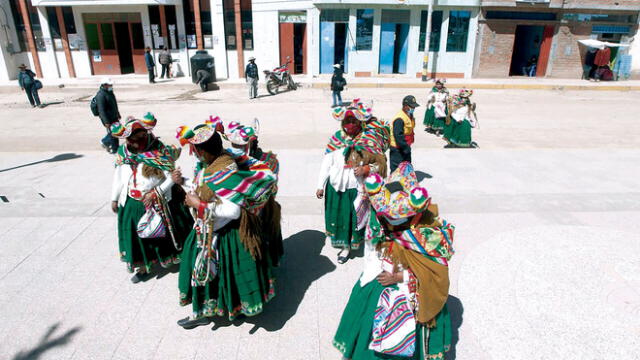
x: 202, y: 60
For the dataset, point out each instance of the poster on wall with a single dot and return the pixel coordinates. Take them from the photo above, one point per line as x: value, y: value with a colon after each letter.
x: 182, y: 41
x: 76, y: 42
x: 172, y: 35
x: 57, y: 43
x: 208, y: 42
x: 96, y: 56
x: 191, y: 42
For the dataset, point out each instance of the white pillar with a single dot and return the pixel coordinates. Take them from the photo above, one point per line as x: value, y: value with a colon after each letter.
x: 414, y: 61
x: 220, y: 47
x: 48, y: 59
x: 351, y: 41
x: 313, y: 48
x: 375, y: 40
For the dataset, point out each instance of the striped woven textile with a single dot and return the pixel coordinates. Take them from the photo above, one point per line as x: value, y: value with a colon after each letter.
x: 394, y: 326
x: 160, y: 156
x: 436, y: 243
x: 248, y: 185
x: 374, y: 139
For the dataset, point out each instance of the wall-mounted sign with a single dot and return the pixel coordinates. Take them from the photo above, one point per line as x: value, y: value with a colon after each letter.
x: 208, y: 42
x: 76, y: 42
x: 96, y: 56
x: 191, y: 42
x: 299, y: 17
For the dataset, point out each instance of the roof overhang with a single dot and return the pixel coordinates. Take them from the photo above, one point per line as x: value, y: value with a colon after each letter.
x: 102, y: 2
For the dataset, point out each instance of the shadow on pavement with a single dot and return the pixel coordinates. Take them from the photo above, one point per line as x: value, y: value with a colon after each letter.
x: 301, y: 266
x: 423, y: 175
x: 45, y: 104
x: 47, y: 342
x: 59, y: 157
x: 455, y: 311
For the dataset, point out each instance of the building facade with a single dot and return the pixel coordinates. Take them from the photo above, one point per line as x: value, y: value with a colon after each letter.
x: 80, y: 38
x: 515, y: 33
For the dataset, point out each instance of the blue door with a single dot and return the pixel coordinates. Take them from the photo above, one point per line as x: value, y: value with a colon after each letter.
x: 387, y: 47
x: 402, y: 44
x: 327, y: 46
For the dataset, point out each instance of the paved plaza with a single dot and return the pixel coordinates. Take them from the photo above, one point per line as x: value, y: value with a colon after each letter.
x: 547, y: 262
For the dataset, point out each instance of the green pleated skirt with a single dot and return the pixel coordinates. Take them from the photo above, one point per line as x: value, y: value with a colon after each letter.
x: 438, y: 123
x: 340, y: 218
x: 429, y: 117
x: 353, y: 336
x: 243, y: 285
x: 448, y: 131
x: 462, y: 134
x: 141, y: 254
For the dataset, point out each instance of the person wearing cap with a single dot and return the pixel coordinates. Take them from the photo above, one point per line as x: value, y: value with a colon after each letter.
x: 337, y: 85
x: 434, y: 117
x: 402, y: 136
x: 27, y: 82
x: 108, y: 113
x: 151, y: 65
x: 252, y: 77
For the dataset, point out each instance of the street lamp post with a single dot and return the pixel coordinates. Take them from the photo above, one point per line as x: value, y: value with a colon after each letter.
x: 427, y: 43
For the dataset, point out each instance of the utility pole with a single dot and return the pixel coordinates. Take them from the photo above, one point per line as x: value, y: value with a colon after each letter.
x: 427, y: 43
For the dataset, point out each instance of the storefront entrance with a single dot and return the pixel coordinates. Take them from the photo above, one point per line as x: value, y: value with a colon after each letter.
x: 115, y: 42
x: 293, y: 41
x: 394, y: 34
x: 531, y: 49
x: 333, y: 39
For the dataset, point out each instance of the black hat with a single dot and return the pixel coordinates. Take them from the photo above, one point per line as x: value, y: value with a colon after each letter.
x: 410, y: 101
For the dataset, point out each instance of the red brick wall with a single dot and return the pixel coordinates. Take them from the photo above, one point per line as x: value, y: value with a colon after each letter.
x: 567, y: 55
x: 496, y: 48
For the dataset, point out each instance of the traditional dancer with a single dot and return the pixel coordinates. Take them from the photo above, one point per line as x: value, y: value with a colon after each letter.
x: 461, y: 119
x: 434, y: 117
x: 353, y: 152
x: 397, y: 309
x: 152, y: 220
x: 245, y: 139
x: 225, y: 268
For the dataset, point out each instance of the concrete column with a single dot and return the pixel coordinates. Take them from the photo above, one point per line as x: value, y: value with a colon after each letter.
x: 50, y: 62
x: 184, y: 65
x: 196, y: 14
x: 65, y: 42
x: 220, y: 41
x: 351, y: 41
x: 239, y: 43
x: 375, y: 41
x: 24, y: 10
x: 414, y: 61
x: 313, y: 42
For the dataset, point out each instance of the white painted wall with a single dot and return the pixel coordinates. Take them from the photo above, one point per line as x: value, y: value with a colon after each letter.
x: 62, y: 64
x: 9, y: 61
x: 48, y: 61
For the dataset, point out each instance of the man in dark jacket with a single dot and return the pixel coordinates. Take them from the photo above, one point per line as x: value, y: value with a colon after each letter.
x: 203, y: 78
x: 403, y: 133
x: 151, y: 65
x: 165, y: 60
x: 252, y: 77
x: 337, y: 85
x: 27, y: 82
x: 108, y: 113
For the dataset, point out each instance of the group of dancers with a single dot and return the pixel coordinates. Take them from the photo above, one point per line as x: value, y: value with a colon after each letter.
x: 451, y: 116
x: 222, y: 226
x: 397, y: 308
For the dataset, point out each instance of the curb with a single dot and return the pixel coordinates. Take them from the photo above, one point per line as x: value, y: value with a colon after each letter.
x: 491, y: 86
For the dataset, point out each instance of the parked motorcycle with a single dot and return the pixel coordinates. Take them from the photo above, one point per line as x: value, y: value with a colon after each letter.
x: 278, y: 78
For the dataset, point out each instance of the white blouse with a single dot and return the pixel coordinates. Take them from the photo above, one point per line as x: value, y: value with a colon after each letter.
x: 439, y: 101
x: 461, y: 114
x: 123, y: 182
x: 334, y: 169
x: 374, y: 264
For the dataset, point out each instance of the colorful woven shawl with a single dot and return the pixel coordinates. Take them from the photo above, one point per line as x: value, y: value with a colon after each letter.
x: 435, y: 243
x: 374, y: 139
x: 160, y: 156
x: 246, y: 182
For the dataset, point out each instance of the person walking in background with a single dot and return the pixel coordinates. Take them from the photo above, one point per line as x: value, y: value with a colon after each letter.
x: 403, y: 136
x: 107, y: 109
x: 337, y: 85
x: 27, y: 82
x: 165, y: 61
x: 252, y: 77
x: 151, y: 65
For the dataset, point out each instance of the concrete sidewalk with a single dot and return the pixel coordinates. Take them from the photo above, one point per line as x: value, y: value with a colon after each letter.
x: 323, y: 81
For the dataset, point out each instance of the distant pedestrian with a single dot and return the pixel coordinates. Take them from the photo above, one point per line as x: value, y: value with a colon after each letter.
x: 165, y: 61
x: 337, y: 85
x: 108, y: 113
x: 403, y: 135
x: 252, y: 77
x: 203, y: 78
x: 28, y: 83
x: 530, y: 68
x: 151, y: 65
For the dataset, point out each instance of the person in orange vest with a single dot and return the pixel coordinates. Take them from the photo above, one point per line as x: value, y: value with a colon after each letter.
x: 403, y: 135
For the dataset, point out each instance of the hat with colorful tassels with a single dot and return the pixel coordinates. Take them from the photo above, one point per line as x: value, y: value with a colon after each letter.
x: 356, y: 109
x: 123, y: 131
x: 201, y: 133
